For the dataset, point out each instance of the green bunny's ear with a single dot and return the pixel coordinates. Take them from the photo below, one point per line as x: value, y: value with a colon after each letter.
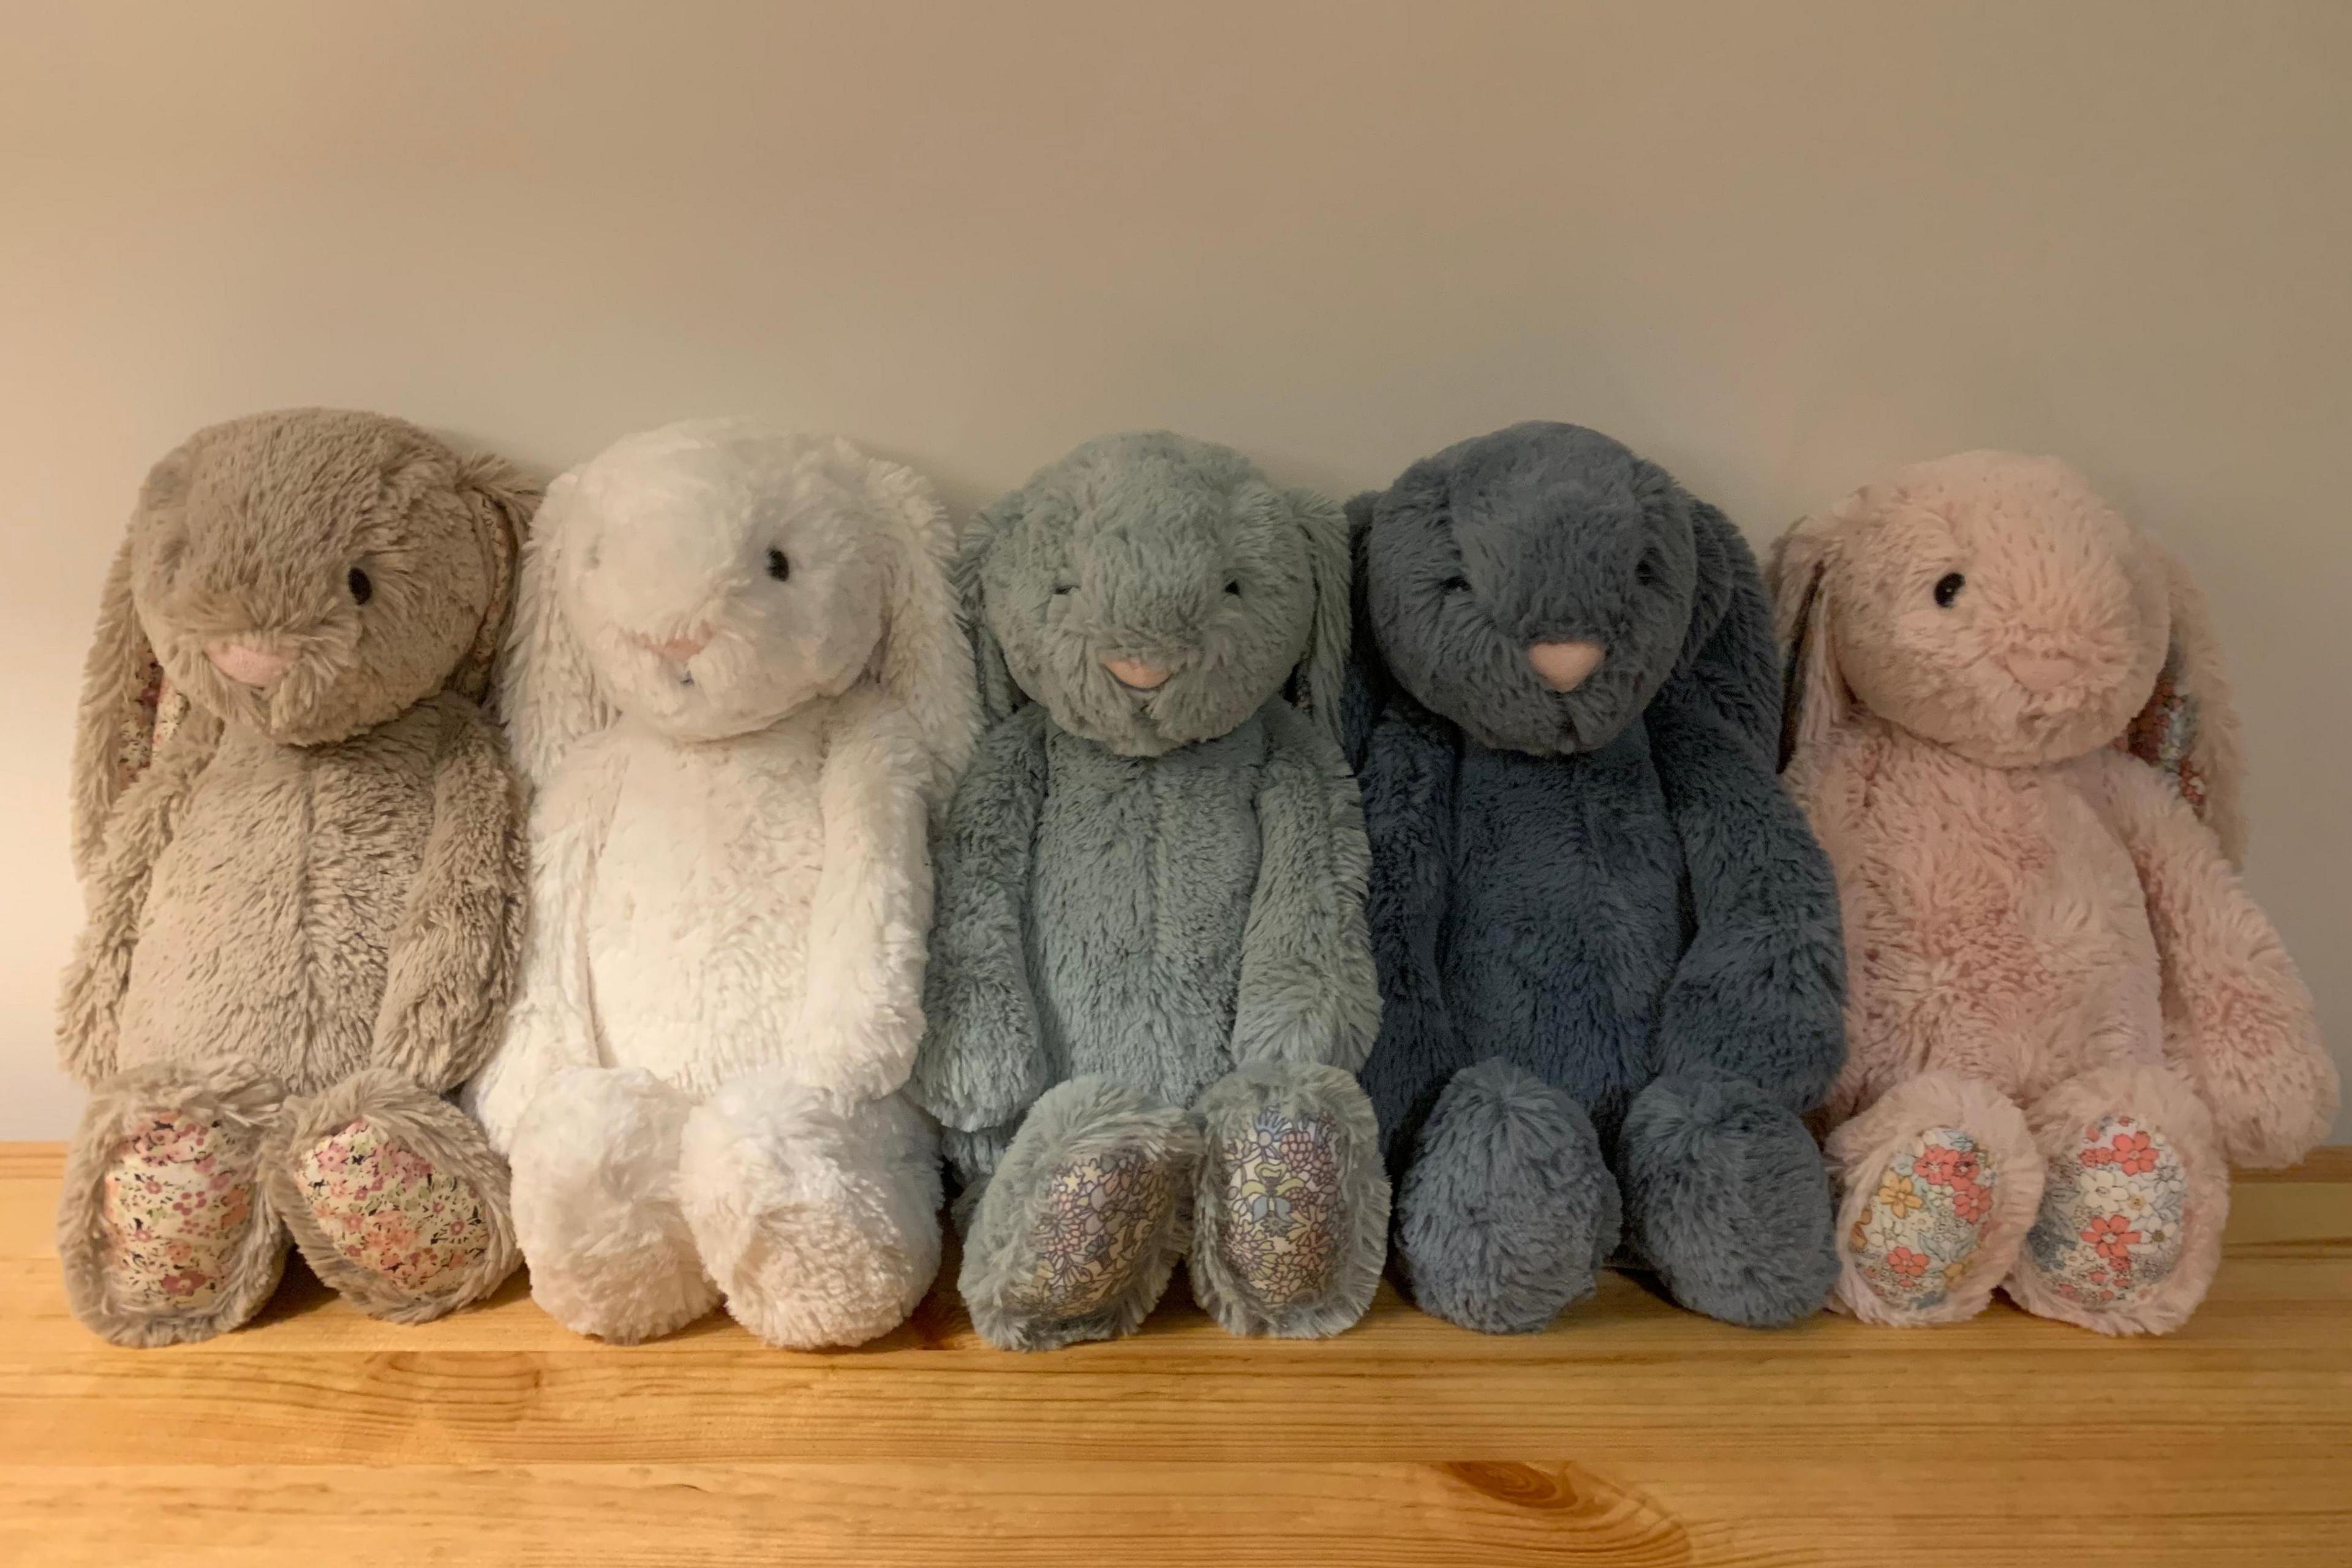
x: 1320, y: 678
x: 1000, y: 695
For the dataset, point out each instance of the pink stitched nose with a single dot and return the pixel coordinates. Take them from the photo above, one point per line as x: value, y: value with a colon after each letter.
x: 2043, y: 673
x: 1132, y: 672
x: 678, y: 650
x: 246, y: 663
x: 1564, y: 665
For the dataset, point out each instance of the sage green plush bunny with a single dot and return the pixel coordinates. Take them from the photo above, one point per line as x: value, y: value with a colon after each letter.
x: 298, y: 836
x: 1150, y: 979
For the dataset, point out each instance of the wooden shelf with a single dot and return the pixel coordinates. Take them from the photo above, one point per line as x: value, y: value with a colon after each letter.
x: 1632, y: 1433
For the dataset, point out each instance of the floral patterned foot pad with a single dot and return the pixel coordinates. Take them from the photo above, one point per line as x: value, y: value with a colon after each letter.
x: 175, y: 1202
x: 1921, y: 1231
x: 391, y: 1211
x: 1098, y: 1215
x: 1281, y: 1186
x: 2110, y: 1226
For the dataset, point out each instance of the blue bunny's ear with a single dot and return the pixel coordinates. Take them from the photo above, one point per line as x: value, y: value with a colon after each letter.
x: 1315, y: 684
x: 1727, y: 660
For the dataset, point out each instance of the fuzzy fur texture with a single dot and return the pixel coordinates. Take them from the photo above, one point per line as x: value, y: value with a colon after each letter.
x: 2028, y: 905
x: 737, y: 687
x: 306, y: 881
x: 1601, y: 887
x: 1153, y: 873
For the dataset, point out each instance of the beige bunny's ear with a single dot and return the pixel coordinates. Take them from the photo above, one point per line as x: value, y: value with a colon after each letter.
x: 1815, y: 699
x: 2189, y: 729
x: 926, y: 664
x: 502, y: 501
x: 547, y: 692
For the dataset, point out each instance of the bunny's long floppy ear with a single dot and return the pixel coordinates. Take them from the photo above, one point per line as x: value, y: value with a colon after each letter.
x: 1320, y: 678
x: 547, y: 691
x: 925, y: 663
x: 1727, y: 657
x: 1814, y: 699
x: 1000, y: 694
x: 2189, y: 729
x: 129, y: 708
x: 502, y: 502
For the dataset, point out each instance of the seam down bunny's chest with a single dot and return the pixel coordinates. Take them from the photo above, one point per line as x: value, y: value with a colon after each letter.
x: 1139, y: 891
x: 270, y: 915
x: 697, y: 914
x: 1565, y: 913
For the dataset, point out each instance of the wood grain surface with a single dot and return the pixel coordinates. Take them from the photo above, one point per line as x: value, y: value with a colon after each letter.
x: 1632, y: 1433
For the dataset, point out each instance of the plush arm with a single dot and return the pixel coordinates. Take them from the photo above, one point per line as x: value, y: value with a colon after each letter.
x: 2237, y: 1017
x: 458, y: 942
x: 982, y: 1058
x: 1308, y: 992
x: 1760, y: 992
x: 115, y: 877
x: 551, y: 1026
x: 862, y: 1003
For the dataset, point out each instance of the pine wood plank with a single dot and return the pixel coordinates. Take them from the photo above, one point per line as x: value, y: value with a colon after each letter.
x: 1631, y: 1433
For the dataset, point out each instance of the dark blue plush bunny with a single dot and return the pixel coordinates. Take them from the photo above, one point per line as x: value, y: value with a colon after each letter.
x: 1611, y: 968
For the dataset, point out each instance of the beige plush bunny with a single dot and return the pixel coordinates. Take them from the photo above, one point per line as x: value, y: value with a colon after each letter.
x: 2065, y: 1014
x: 298, y: 840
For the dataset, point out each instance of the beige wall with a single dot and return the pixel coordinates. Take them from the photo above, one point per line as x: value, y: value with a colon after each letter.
x: 1781, y: 248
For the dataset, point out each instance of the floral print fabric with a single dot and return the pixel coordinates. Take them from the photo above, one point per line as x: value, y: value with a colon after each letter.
x: 1098, y: 1216
x: 2110, y: 1226
x: 391, y: 1211
x: 150, y: 719
x: 176, y: 1204
x: 1282, y: 1199
x: 1924, y: 1225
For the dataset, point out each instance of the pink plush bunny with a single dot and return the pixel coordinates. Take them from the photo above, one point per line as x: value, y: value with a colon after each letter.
x: 2067, y: 1018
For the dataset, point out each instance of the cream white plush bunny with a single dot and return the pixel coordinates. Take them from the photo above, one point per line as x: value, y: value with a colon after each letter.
x: 736, y: 687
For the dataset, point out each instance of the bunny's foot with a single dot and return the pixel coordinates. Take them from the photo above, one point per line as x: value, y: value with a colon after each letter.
x: 2129, y: 1232
x: 1726, y: 1198
x: 164, y: 1230
x: 1506, y: 1210
x: 595, y: 1205
x: 819, y: 1220
x: 393, y: 1195
x: 1291, y: 1206
x: 1940, y: 1181
x: 1083, y: 1221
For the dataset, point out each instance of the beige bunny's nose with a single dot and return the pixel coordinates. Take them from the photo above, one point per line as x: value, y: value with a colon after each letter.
x: 1133, y: 673
x: 2042, y: 672
x: 1564, y: 665
x: 246, y: 663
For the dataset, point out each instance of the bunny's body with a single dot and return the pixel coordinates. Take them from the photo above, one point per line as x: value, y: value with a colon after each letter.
x: 739, y: 689
x: 1608, y: 948
x: 2066, y: 1017
x: 300, y: 841
x: 1150, y: 979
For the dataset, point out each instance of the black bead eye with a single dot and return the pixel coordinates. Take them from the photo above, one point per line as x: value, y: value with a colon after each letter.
x: 1234, y: 587
x: 361, y: 588
x: 1645, y: 572
x: 1061, y: 588
x: 1947, y: 588
x: 1456, y: 584
x: 778, y: 567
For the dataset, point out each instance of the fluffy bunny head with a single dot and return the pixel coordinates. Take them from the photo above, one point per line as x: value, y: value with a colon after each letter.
x: 304, y: 574
x: 1994, y: 603
x: 1539, y: 585
x: 1153, y: 591
x: 710, y: 578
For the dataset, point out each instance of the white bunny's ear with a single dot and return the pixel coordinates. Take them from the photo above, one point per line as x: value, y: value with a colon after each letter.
x: 925, y: 662
x: 2189, y: 729
x: 1815, y: 699
x: 547, y: 691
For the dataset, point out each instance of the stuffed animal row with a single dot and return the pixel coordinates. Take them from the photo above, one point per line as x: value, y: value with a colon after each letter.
x: 663, y: 880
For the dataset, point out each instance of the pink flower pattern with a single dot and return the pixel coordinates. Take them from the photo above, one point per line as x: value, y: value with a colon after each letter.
x: 1925, y: 1221
x: 391, y: 1211
x: 2110, y: 1226
x: 1099, y: 1215
x: 1282, y: 1207
x: 176, y: 1204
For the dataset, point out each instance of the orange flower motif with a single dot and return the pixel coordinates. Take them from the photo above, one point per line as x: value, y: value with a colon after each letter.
x: 2112, y: 1237
x: 2133, y: 1154
x: 1909, y: 1264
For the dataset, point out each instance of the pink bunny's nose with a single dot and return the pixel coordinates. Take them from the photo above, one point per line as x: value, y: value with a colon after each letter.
x: 1133, y: 673
x: 1564, y: 665
x: 678, y: 650
x: 2041, y: 673
x: 246, y: 663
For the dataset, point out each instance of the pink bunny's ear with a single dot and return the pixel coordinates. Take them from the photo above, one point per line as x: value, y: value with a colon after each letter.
x: 2188, y: 730
x: 1814, y: 699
